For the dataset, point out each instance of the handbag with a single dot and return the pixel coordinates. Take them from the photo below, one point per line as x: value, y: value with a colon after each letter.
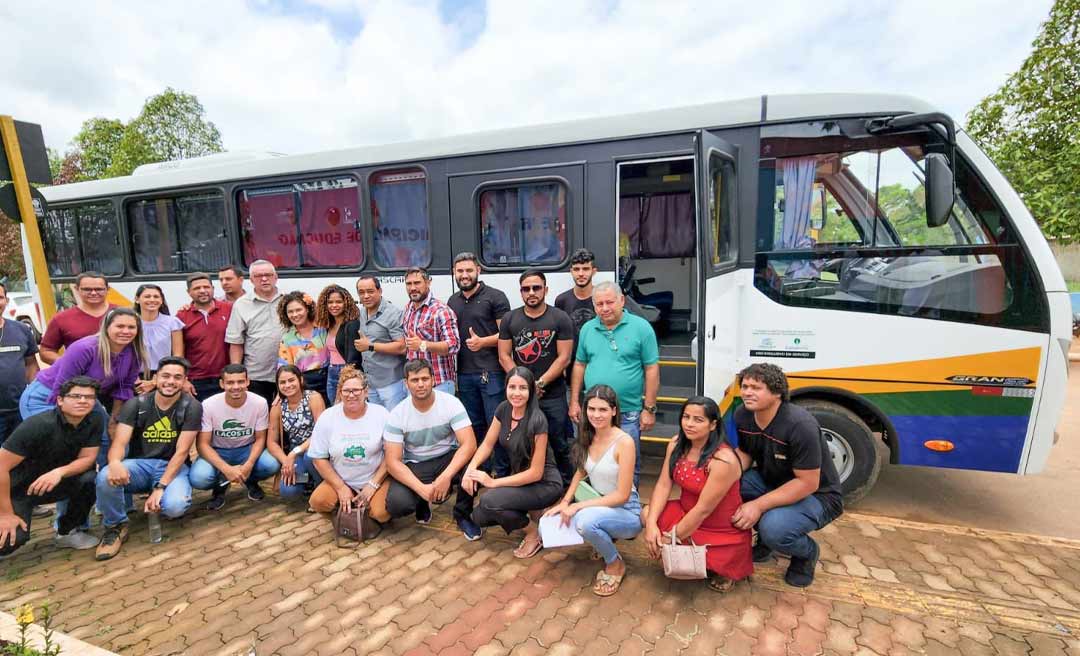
x: 354, y: 526
x: 683, y: 561
x: 584, y: 492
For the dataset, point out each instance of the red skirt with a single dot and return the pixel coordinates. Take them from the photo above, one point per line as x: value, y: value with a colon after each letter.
x: 729, y: 549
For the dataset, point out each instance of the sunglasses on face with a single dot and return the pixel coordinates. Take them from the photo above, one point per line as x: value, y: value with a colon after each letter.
x: 525, y: 289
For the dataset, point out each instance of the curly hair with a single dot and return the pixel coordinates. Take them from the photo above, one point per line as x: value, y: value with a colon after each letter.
x: 771, y: 375
x: 282, y: 308
x: 323, y: 318
x: 348, y: 372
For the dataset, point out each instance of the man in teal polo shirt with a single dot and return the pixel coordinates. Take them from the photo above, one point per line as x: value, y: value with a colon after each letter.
x: 618, y: 349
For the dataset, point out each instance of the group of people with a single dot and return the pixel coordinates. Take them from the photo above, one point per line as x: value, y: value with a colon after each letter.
x: 520, y: 413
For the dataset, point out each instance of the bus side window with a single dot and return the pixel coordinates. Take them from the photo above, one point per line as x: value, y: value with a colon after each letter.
x: 185, y: 233
x: 83, y: 238
x: 400, y: 224
x: 523, y: 224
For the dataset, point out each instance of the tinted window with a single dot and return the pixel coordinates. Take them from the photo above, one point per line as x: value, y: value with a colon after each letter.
x: 309, y: 224
x: 401, y: 230
x: 721, y: 200
x: 82, y: 238
x: 185, y: 233
x: 524, y: 224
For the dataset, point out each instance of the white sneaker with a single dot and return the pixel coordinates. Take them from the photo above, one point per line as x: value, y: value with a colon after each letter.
x: 76, y: 540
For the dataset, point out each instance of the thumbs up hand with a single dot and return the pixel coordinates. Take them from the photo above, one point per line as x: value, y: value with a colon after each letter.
x: 473, y: 342
x: 412, y: 342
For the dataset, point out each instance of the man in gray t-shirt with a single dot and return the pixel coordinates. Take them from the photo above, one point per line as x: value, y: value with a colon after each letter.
x: 376, y: 341
x: 254, y: 332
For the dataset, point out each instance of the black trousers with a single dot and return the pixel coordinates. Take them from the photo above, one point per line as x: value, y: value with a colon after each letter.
x: 509, y: 506
x: 401, y: 500
x: 80, y: 492
x: 264, y: 388
x: 557, y: 412
x: 205, y: 388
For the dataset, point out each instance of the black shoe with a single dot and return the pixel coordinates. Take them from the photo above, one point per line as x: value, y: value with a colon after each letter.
x: 255, y: 493
x: 423, y: 512
x: 470, y: 529
x: 762, y: 554
x: 800, y: 573
x: 217, y: 502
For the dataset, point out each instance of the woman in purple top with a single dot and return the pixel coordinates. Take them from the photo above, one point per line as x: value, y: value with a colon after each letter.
x: 114, y: 357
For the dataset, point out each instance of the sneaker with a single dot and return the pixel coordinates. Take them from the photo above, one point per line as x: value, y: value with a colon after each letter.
x: 423, y: 512
x: 470, y: 529
x: 762, y: 554
x: 42, y: 511
x: 111, y: 541
x: 217, y: 502
x: 76, y: 539
x: 800, y: 573
x: 255, y: 493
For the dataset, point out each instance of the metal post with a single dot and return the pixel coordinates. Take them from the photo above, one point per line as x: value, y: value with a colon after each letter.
x: 29, y: 218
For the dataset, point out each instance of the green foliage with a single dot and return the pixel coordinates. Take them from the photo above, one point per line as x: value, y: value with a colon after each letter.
x: 1030, y: 127
x: 171, y: 126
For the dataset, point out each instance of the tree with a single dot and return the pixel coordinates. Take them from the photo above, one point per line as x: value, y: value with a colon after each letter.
x: 171, y: 126
x: 96, y: 145
x: 1030, y: 126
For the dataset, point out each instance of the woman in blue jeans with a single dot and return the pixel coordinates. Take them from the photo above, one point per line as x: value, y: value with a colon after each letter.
x: 606, y: 455
x: 291, y: 422
x: 333, y: 310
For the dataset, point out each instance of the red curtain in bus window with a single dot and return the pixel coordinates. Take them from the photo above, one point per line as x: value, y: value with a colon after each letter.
x: 329, y: 220
x: 268, y: 225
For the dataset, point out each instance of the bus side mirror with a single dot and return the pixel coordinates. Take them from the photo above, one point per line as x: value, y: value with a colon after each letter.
x: 940, y: 191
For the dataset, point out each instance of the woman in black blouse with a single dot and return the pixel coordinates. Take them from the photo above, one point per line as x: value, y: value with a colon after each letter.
x: 534, y: 482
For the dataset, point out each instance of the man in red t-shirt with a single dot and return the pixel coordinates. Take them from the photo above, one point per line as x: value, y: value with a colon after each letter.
x: 84, y: 319
x: 205, y: 321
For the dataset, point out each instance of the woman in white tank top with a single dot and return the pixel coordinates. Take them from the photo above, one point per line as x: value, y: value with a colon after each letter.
x: 605, y: 455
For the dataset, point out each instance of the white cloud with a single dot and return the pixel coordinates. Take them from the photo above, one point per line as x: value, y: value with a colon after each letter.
x: 273, y: 78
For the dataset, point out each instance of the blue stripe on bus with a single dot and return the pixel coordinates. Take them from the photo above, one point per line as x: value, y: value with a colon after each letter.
x: 987, y: 443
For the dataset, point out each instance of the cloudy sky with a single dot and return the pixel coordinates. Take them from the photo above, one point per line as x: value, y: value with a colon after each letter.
x: 295, y: 75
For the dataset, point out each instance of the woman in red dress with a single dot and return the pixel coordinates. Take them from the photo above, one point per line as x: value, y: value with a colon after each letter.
x: 701, y: 462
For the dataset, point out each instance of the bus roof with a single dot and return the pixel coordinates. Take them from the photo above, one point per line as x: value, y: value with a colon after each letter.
x: 746, y: 111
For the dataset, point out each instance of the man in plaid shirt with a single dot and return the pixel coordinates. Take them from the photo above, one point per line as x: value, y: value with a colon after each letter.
x: 431, y: 330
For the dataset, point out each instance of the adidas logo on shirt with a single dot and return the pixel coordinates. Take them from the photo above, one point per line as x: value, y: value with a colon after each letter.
x: 161, y: 431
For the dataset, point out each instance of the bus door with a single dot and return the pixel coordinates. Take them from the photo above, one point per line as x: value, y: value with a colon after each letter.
x: 718, y: 256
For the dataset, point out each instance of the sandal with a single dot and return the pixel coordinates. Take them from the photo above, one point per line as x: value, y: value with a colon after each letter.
x: 720, y: 584
x: 606, y: 584
x: 518, y: 553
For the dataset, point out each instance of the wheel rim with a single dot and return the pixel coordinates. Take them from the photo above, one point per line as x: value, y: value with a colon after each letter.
x: 840, y: 450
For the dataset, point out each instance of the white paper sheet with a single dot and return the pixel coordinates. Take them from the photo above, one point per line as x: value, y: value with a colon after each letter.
x: 554, y: 534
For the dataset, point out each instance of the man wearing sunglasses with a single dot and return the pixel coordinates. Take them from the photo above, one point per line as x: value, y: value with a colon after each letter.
x: 91, y: 304
x: 540, y: 337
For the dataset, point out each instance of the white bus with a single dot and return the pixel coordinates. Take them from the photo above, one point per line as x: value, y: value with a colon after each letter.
x: 861, y: 242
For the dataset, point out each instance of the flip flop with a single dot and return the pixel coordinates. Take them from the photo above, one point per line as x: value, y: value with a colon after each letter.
x: 611, y: 582
x: 535, y: 550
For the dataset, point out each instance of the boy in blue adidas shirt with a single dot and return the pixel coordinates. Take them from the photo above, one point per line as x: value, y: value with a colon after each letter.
x: 156, y: 432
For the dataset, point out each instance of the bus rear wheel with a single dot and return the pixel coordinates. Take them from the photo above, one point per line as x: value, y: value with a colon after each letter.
x: 857, y: 454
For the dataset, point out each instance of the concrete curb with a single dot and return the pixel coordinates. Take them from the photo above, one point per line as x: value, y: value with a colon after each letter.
x: 9, y: 630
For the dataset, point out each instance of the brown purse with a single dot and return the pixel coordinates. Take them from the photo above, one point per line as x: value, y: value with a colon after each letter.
x: 354, y: 526
x: 683, y: 561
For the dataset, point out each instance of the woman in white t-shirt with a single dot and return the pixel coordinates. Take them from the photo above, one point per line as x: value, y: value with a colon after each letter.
x: 162, y: 333
x: 346, y: 448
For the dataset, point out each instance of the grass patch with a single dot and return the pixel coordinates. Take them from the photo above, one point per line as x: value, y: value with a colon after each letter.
x: 1073, y: 286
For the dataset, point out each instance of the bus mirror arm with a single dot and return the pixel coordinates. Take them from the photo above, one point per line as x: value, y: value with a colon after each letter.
x: 940, y: 187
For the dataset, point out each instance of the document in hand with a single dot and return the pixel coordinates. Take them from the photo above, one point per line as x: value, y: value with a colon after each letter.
x: 554, y: 534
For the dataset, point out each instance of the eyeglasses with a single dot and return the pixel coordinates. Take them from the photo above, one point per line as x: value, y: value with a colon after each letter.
x: 93, y: 290
x: 263, y: 275
x: 80, y: 397
x: 525, y: 289
x: 353, y: 392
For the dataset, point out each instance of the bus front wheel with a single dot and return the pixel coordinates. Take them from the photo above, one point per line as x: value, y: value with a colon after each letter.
x: 857, y: 454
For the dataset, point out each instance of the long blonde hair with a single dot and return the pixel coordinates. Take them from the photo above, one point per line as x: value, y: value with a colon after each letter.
x: 104, y: 353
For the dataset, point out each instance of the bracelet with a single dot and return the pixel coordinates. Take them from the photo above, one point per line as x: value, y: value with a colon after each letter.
x: 373, y: 485
x: 296, y: 451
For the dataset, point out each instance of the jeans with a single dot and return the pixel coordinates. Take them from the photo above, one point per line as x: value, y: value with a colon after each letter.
x: 785, y: 528
x: 303, y: 464
x: 449, y: 386
x: 145, y: 474
x: 204, y: 477
x: 600, y: 526
x: 480, y: 400
x: 9, y: 421
x: 205, y: 388
x: 509, y: 506
x: 630, y: 423
x: 77, y: 494
x: 401, y: 500
x: 388, y: 396
x: 557, y: 412
x: 333, y: 374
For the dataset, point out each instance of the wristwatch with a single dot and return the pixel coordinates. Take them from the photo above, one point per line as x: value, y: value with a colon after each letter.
x: 160, y: 486
x: 540, y: 384
x: 371, y: 347
x: 423, y: 347
x: 650, y: 409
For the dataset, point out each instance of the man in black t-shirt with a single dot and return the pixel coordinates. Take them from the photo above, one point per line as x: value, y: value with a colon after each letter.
x: 540, y: 337
x: 51, y: 457
x: 790, y: 486
x: 577, y: 302
x: 480, y: 378
x: 155, y: 431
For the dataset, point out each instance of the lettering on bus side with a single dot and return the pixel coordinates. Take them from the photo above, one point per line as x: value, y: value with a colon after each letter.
x: 995, y: 381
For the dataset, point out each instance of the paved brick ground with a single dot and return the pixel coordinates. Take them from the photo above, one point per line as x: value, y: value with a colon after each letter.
x: 268, y: 575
